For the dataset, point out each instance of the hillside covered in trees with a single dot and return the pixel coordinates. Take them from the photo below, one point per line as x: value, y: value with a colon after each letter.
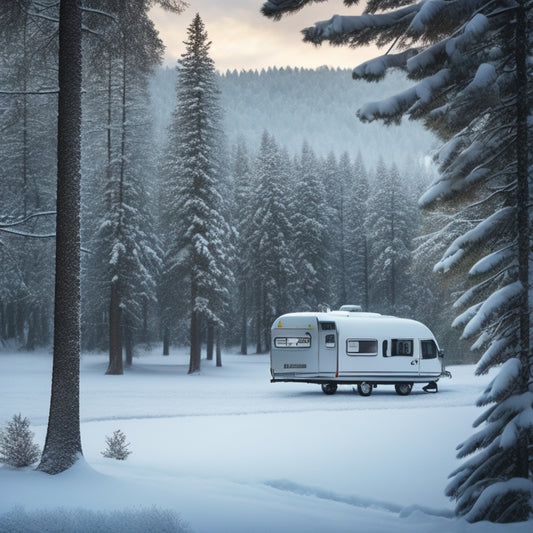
x: 305, y: 105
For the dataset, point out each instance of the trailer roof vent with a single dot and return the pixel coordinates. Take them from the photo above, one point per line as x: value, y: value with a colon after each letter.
x: 351, y: 308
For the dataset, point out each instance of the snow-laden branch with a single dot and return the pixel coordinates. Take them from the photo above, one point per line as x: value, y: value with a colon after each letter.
x: 26, y: 234
x: 503, y: 298
x: 394, y: 107
x: 36, y: 91
x: 489, y: 226
x: 25, y: 219
x: 359, y: 29
x: 277, y: 8
x: 375, y: 69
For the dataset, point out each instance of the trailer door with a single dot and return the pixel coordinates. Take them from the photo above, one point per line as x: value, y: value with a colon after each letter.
x: 327, y: 348
x: 402, y: 356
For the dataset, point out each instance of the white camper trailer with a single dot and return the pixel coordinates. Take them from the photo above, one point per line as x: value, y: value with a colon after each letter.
x: 363, y: 349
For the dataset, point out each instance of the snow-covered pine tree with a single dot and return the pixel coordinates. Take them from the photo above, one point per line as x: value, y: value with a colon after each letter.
x: 27, y: 172
x: 357, y: 268
x: 241, y: 221
x: 123, y: 239
x: 310, y: 216
x: 469, y: 60
x: 16, y: 443
x: 117, y: 447
x: 196, y: 230
x: 389, y: 237
x: 270, y: 240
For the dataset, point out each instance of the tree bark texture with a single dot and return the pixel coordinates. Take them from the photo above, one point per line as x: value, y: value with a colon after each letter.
x: 63, y: 440
x: 115, y: 366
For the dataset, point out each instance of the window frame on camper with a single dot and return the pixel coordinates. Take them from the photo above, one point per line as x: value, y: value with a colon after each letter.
x: 424, y: 354
x: 350, y: 347
x: 402, y: 347
x: 294, y: 345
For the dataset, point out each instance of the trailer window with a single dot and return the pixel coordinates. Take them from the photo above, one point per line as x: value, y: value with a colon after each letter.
x: 361, y: 346
x: 402, y: 347
x: 330, y: 340
x: 429, y: 349
x: 292, y: 342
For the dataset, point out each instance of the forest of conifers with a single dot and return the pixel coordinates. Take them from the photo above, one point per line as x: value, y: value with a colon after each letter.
x: 321, y: 209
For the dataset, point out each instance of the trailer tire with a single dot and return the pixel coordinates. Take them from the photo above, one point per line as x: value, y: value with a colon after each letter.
x: 364, y: 388
x: 329, y: 388
x: 404, y: 388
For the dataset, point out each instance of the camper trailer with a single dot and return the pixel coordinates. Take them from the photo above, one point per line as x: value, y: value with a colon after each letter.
x: 362, y: 349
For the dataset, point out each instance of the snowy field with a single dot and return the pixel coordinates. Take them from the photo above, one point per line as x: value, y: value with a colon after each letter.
x: 227, y: 451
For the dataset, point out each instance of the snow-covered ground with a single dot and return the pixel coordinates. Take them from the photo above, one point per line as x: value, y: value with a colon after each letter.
x: 227, y: 451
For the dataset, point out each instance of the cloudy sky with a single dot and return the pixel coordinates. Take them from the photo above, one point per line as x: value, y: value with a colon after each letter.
x: 244, y: 39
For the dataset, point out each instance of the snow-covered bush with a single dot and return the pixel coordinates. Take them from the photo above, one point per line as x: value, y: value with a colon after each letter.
x: 117, y: 447
x: 16, y: 443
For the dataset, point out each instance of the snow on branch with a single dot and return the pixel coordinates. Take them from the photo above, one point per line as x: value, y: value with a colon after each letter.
x: 391, y: 109
x: 25, y: 219
x: 277, y: 8
x: 489, y: 226
x: 491, y: 261
x: 359, y: 29
x: 375, y: 69
x: 34, y: 92
x: 503, y: 298
x: 498, y: 351
x: 513, y: 489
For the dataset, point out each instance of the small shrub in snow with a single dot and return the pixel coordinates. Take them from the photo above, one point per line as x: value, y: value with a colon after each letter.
x: 16, y: 443
x: 117, y: 447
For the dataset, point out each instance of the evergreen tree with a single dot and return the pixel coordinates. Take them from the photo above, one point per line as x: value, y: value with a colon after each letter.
x: 241, y: 218
x: 470, y: 63
x: 27, y: 171
x: 126, y: 249
x: 311, y: 243
x: 389, y: 242
x: 272, y: 269
x: 356, y: 255
x: 196, y: 230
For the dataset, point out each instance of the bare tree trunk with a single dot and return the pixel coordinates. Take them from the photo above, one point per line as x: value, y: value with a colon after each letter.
x: 195, y: 334
x: 210, y: 341
x: 244, y: 320
x: 115, y: 366
x: 218, y: 348
x: 128, y: 342
x: 166, y: 341
x: 63, y: 439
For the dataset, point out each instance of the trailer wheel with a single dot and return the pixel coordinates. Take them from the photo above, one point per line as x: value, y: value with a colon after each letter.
x: 404, y: 388
x: 364, y: 388
x: 329, y: 388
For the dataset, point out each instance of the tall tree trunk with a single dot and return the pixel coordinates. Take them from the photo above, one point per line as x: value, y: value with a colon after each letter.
x: 63, y: 439
x: 195, y: 334
x: 115, y: 366
x: 218, y: 348
x: 210, y: 341
x: 166, y: 341
x: 244, y: 320
x: 128, y: 342
x: 196, y: 345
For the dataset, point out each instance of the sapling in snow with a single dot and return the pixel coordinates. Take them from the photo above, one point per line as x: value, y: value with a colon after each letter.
x: 16, y: 443
x: 117, y: 447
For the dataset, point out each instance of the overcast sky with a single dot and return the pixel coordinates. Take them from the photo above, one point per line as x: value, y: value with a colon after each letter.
x: 244, y: 39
